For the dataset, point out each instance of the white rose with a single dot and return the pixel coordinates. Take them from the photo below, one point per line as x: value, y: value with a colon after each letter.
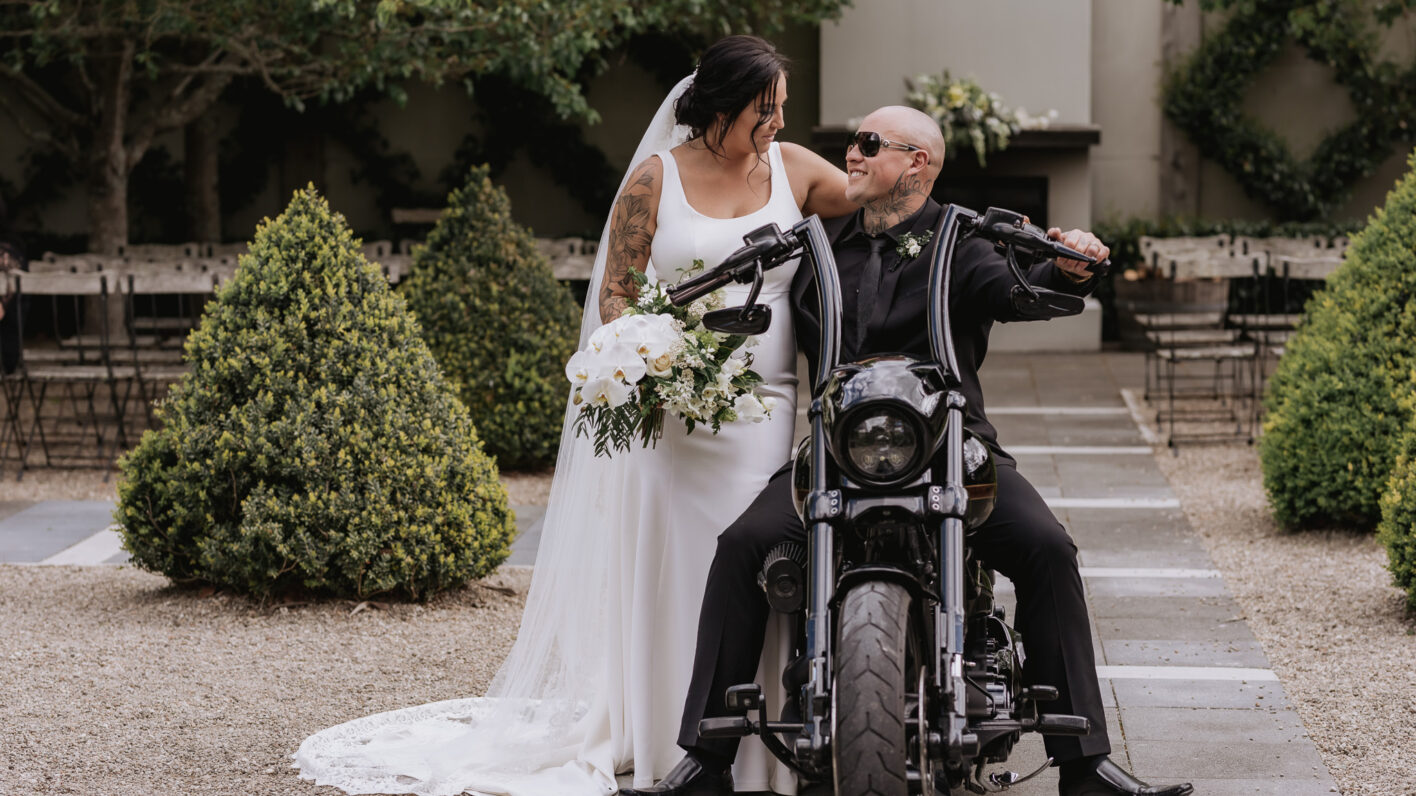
x: 661, y: 366
x: 606, y: 391
x: 748, y: 407
x: 734, y: 365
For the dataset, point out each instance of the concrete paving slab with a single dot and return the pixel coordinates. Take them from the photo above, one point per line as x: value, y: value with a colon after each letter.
x: 1100, y: 430
x: 1234, y: 694
x: 1248, y: 726
x: 9, y: 508
x: 529, y: 520
x: 1295, y: 762
x: 1128, y: 652
x: 48, y: 527
x: 1188, y: 553
x: 1165, y: 610
x: 1258, y: 787
x: 1180, y: 627
x: 1105, y: 476
x: 1157, y: 587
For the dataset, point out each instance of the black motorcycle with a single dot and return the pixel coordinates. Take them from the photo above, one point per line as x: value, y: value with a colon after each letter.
x: 906, y: 678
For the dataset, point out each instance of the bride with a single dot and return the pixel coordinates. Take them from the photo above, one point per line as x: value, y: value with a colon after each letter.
x: 595, y: 683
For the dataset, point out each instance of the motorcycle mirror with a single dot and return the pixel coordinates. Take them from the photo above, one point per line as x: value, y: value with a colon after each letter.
x: 749, y: 320
x: 1045, y: 304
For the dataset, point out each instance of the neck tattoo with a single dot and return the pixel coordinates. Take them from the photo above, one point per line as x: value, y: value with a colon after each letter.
x: 905, y: 197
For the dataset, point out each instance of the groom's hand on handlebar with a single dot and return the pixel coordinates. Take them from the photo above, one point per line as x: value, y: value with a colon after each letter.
x: 1084, y: 242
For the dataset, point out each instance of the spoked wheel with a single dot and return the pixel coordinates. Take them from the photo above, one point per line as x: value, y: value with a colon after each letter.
x: 869, y: 747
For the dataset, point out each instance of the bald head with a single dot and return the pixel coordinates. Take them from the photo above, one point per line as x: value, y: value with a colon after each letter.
x: 909, y: 126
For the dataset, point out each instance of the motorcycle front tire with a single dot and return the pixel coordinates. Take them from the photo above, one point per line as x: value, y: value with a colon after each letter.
x: 869, y: 691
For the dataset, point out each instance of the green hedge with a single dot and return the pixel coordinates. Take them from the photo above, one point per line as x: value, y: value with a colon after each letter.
x: 497, y: 321
x: 1397, y: 529
x: 314, y: 446
x: 1334, y: 402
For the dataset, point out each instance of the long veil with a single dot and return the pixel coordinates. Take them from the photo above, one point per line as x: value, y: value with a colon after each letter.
x: 551, y: 721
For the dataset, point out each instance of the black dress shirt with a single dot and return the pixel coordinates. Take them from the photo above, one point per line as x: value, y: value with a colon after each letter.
x: 979, y: 294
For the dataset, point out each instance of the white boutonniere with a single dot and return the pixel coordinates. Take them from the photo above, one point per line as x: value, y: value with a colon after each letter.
x: 911, y: 245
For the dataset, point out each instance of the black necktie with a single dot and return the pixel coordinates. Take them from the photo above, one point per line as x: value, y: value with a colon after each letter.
x: 869, y: 286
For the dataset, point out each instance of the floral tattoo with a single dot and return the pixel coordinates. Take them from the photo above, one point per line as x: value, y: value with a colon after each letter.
x: 630, y: 238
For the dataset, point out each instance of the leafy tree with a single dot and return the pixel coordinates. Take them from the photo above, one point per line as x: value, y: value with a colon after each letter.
x: 106, y: 77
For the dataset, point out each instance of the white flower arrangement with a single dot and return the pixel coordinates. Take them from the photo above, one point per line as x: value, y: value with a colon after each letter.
x: 969, y: 116
x: 658, y: 358
x: 911, y: 245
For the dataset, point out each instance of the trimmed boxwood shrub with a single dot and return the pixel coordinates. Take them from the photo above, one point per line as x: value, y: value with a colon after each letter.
x: 314, y: 446
x: 498, y: 322
x: 1397, y: 530
x: 1334, y: 403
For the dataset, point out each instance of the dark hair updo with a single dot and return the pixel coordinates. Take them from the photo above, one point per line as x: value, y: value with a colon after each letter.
x: 730, y: 75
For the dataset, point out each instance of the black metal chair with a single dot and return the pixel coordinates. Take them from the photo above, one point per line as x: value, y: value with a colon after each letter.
x: 75, y: 398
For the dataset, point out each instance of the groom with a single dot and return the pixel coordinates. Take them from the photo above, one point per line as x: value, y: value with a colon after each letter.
x: 884, y: 296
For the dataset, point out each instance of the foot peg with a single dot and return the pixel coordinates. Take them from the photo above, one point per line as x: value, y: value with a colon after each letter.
x: 1062, y: 724
x: 743, y: 698
x: 725, y: 727
x: 1040, y: 693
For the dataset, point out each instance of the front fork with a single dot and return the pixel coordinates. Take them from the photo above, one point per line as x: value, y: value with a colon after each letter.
x: 814, y: 743
x: 951, y: 502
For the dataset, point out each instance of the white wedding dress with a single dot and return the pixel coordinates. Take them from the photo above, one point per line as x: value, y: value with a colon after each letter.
x: 596, y: 681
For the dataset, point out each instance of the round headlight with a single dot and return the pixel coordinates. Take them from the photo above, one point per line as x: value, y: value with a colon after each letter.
x: 881, y: 446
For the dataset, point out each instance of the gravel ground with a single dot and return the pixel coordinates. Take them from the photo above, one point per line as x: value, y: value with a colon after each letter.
x: 1322, y: 605
x: 112, y: 683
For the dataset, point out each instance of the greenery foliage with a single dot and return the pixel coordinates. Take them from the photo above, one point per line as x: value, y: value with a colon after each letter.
x: 1204, y: 96
x: 497, y: 321
x: 1397, y: 529
x: 969, y: 117
x: 106, y: 78
x: 1336, y: 400
x: 314, y: 446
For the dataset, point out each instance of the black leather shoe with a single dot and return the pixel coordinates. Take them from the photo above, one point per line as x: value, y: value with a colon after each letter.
x: 1110, y: 779
x: 690, y: 776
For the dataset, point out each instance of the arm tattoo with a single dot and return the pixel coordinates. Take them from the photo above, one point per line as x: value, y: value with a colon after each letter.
x: 629, y: 242
x: 895, y: 206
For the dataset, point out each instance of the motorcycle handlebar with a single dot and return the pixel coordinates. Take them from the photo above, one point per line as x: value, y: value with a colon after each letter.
x: 766, y: 246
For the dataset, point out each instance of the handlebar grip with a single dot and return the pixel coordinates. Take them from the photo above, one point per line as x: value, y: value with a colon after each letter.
x: 697, y: 287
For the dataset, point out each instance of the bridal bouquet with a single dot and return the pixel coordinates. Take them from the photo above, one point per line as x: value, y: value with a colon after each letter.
x: 656, y: 358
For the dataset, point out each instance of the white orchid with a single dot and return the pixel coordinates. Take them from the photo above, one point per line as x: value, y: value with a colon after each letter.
x: 623, y: 362
x: 606, y: 391
x: 748, y: 407
x: 583, y: 366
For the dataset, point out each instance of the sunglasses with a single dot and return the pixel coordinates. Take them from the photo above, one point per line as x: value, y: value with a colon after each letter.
x: 871, y: 143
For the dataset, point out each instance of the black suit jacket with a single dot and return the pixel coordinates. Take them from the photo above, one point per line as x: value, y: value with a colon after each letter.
x: 979, y: 295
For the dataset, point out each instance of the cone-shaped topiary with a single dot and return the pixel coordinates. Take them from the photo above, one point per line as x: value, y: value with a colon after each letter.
x: 1334, y: 416
x: 498, y: 322
x: 1397, y: 530
x: 314, y: 445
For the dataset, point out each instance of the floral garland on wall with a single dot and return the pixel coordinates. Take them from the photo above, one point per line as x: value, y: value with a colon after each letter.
x: 970, y: 117
x: 1204, y: 96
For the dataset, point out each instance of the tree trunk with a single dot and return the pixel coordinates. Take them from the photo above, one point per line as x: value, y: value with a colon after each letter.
x: 201, y: 165
x: 108, y: 161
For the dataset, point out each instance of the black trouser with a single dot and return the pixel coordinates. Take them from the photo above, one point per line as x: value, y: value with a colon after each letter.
x: 1022, y: 540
